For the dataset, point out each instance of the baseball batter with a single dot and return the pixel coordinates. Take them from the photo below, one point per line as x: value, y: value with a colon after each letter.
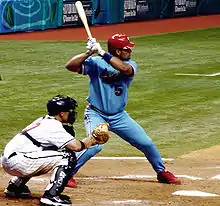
x: 43, y: 146
x: 111, y: 74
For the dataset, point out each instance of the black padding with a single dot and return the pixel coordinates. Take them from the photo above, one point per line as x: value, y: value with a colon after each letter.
x: 62, y: 175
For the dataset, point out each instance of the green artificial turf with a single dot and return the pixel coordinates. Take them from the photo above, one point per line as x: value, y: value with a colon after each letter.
x: 179, y: 112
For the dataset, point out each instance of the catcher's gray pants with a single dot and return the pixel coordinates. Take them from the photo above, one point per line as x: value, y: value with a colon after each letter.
x: 32, y: 164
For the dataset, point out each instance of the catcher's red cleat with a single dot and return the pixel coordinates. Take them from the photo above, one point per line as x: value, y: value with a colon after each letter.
x: 168, y: 178
x: 72, y: 183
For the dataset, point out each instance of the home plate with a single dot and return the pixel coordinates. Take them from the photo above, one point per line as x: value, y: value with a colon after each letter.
x: 194, y: 193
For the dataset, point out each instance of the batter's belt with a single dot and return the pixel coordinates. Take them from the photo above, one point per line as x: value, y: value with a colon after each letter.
x: 101, y: 112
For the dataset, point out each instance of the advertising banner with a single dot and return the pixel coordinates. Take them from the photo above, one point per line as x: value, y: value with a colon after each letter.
x: 70, y: 15
x: 185, y: 7
x: 141, y: 9
x: 130, y: 10
x: 28, y: 15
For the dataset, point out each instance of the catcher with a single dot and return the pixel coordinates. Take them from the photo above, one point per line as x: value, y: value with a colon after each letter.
x: 48, y: 144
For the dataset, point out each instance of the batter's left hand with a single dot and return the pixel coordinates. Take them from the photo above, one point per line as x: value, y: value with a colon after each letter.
x: 90, y: 43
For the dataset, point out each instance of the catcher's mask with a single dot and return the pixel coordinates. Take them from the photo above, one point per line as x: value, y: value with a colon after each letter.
x: 119, y: 41
x: 62, y: 103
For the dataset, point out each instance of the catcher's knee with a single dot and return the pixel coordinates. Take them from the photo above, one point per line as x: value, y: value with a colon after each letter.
x: 68, y: 161
x: 71, y: 160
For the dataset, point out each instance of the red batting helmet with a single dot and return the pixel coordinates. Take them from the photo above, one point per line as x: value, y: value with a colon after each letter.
x: 120, y: 41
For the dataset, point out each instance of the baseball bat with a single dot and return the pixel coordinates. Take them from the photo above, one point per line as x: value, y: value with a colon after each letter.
x: 82, y: 15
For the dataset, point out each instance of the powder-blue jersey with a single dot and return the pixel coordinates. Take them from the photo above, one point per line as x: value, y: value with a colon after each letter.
x: 108, y: 88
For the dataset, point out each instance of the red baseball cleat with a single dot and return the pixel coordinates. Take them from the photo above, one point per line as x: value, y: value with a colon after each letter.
x: 168, y: 178
x: 71, y: 183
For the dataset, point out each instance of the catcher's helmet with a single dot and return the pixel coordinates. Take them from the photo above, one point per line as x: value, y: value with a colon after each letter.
x: 119, y: 41
x: 62, y: 103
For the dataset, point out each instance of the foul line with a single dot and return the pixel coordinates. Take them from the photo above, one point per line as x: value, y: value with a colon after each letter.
x: 127, y: 158
x: 217, y: 177
x: 200, y: 75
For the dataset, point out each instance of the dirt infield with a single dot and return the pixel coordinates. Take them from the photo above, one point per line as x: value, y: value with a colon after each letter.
x: 132, y: 182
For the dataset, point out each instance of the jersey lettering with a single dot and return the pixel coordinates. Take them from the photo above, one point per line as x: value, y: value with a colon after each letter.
x: 113, y: 79
x: 110, y: 77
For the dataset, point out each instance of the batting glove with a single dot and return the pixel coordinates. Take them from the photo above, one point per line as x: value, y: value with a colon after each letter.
x: 98, y: 49
x: 90, y: 43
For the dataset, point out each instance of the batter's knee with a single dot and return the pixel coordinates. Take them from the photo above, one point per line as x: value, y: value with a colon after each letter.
x: 144, y: 144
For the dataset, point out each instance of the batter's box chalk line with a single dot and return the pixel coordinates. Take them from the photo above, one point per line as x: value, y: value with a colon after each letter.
x: 189, y: 177
x: 127, y: 202
x: 194, y: 193
x: 123, y: 177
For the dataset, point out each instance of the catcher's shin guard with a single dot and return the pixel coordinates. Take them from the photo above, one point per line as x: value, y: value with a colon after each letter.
x: 61, y: 175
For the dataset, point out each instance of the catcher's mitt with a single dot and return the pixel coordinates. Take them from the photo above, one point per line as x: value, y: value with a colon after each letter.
x: 101, y: 133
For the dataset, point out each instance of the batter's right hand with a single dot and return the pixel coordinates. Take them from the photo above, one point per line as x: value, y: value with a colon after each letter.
x: 98, y: 49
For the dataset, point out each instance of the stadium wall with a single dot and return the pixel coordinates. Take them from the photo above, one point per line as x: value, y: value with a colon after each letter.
x: 31, y: 15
